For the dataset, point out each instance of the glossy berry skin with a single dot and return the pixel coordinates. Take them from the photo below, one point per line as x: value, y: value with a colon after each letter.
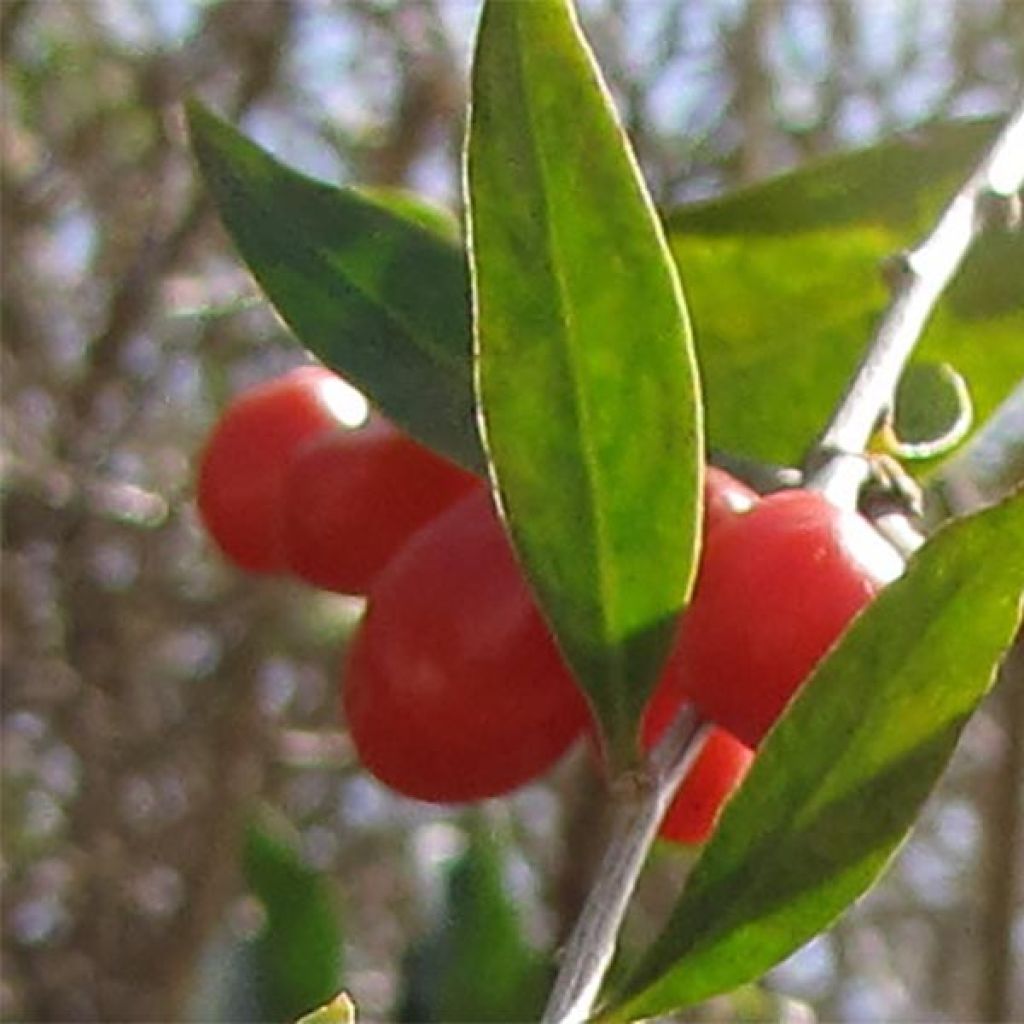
x: 453, y: 688
x: 776, y: 588
x: 353, y: 497
x: 243, y: 465
x: 725, y: 497
x: 719, y: 769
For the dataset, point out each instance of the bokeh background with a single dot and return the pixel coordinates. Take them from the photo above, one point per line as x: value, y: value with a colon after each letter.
x: 178, y: 793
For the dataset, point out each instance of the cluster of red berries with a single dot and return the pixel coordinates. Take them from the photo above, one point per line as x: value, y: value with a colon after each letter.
x: 453, y: 688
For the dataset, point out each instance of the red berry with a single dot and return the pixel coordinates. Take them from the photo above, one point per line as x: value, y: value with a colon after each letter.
x: 714, y: 776
x: 454, y: 689
x: 776, y: 588
x: 723, y: 760
x: 724, y: 499
x: 243, y: 465
x: 353, y: 497
x: 720, y: 767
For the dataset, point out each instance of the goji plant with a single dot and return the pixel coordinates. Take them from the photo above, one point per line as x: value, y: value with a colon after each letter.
x: 595, y: 577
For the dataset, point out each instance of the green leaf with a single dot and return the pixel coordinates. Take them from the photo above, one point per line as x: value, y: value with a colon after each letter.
x: 477, y: 966
x: 364, y: 283
x: 340, y: 1010
x: 894, y: 182
x: 299, y: 949
x: 839, y: 781
x: 782, y: 278
x: 587, y: 381
x: 411, y: 207
x: 783, y: 284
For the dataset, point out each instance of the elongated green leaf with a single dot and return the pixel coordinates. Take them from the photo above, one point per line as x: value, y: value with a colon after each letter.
x: 477, y: 965
x: 586, y: 374
x: 783, y: 284
x: 298, y: 953
x: 492, y: 972
x: 840, y: 780
x: 375, y: 291
x: 895, y: 182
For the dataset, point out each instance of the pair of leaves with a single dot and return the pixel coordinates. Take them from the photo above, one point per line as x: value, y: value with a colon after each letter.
x: 542, y: 234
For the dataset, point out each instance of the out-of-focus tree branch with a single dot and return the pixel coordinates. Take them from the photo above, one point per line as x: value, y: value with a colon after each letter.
x: 132, y: 298
x: 752, y: 100
x: 12, y: 14
x: 429, y: 96
x: 1003, y: 846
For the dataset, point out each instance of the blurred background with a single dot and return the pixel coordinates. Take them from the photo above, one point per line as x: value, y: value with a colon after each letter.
x: 186, y: 833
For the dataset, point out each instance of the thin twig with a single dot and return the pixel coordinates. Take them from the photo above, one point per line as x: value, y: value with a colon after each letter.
x: 896, y: 527
x: 639, y: 812
x: 836, y: 465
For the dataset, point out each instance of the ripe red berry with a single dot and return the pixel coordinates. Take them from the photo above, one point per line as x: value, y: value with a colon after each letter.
x: 776, y: 588
x: 453, y: 688
x: 719, y: 769
x: 352, y: 497
x: 243, y: 465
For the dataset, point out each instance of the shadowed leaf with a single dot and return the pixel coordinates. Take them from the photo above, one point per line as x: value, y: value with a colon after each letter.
x: 368, y: 281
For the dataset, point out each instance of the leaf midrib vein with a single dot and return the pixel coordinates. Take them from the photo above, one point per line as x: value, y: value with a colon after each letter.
x: 579, y: 404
